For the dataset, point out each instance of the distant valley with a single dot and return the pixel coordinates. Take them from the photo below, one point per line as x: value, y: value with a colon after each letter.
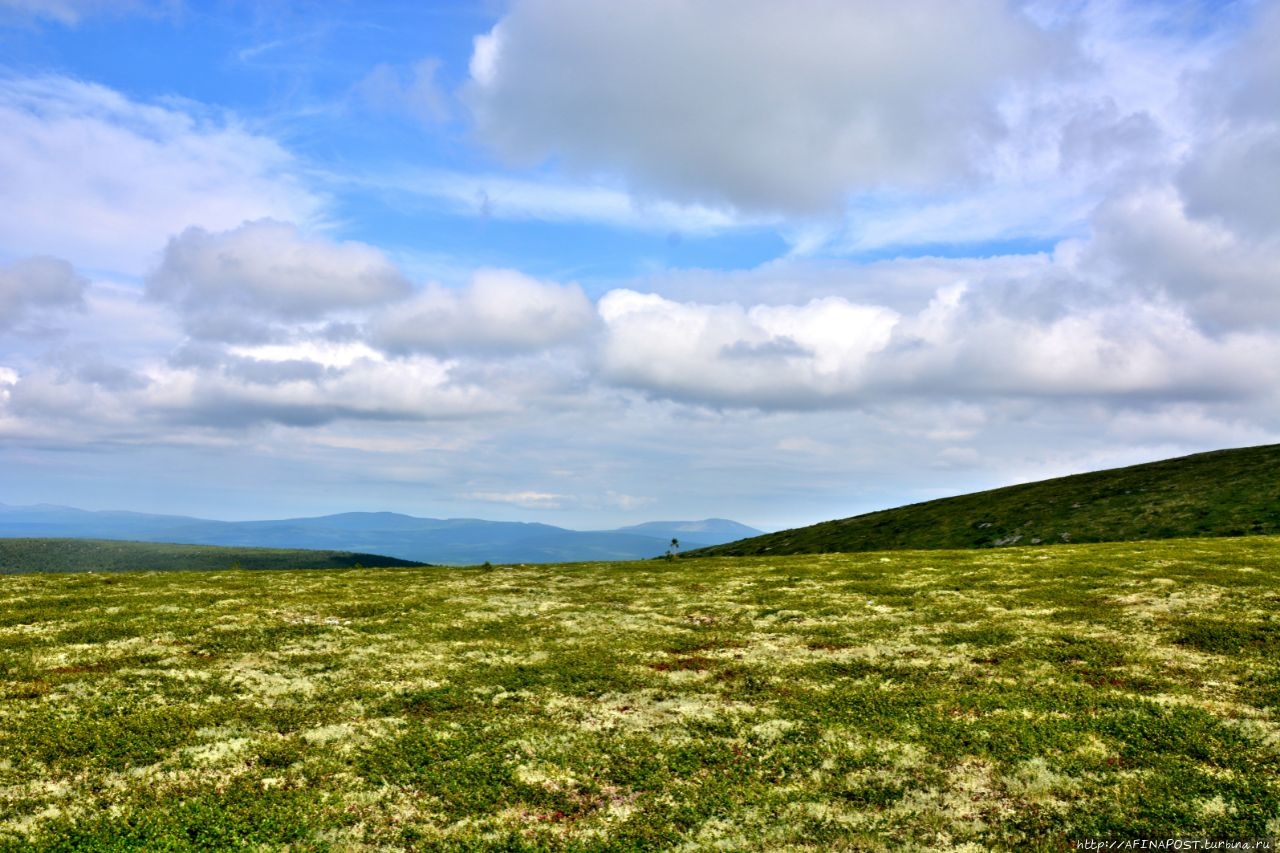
x: 460, y: 541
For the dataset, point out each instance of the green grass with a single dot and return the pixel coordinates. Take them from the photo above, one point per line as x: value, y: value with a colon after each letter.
x: 1010, y: 699
x: 20, y: 555
x: 1224, y: 493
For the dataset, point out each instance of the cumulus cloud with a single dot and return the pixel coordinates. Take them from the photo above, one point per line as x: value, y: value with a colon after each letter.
x: 39, y: 282
x: 229, y: 284
x: 498, y: 311
x: 757, y: 105
x: 1047, y: 328
x: 784, y: 356
x: 1145, y: 242
x: 102, y: 180
x: 966, y: 346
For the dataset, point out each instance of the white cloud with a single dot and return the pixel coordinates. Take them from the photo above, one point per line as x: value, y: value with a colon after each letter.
x: 966, y: 346
x: 498, y: 311
x: 503, y: 197
x: 627, y: 503
x: 402, y: 390
x: 101, y: 180
x: 1114, y: 118
x: 1146, y: 243
x: 760, y: 105
x: 75, y: 404
x: 1040, y: 328
x: 71, y: 12
x: 1222, y: 181
x: 322, y: 353
x: 35, y: 283
x: 1043, y: 210
x: 525, y: 500
x: 770, y: 355
x: 229, y: 284
x: 8, y: 379
x: 1182, y: 424
x: 413, y: 91
x: 1241, y: 82
x: 1224, y: 175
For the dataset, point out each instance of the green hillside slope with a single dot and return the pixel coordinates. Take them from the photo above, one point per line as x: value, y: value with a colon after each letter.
x: 21, y: 556
x: 1223, y: 493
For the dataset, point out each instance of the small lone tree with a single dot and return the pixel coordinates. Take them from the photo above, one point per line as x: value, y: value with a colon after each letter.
x: 672, y: 549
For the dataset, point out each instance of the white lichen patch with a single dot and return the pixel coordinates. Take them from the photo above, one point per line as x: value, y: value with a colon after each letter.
x: 37, y: 789
x: 970, y: 798
x: 217, y: 752
x: 683, y: 678
x: 250, y: 674
x: 899, y: 755
x: 1033, y: 781
x: 1262, y: 729
x: 498, y: 656
x: 25, y: 824
x: 1092, y: 746
x: 1210, y: 808
x: 767, y: 647
x: 646, y: 710
x: 547, y: 776
x: 771, y: 730
x: 717, y: 834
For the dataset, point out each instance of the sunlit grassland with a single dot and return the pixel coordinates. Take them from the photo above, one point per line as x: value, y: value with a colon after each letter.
x: 1010, y: 699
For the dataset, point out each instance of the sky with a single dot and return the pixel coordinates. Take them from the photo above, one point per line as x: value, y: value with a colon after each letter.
x: 596, y: 263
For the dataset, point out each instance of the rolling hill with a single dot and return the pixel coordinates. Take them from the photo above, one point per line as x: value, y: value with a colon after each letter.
x: 21, y: 556
x: 1222, y: 493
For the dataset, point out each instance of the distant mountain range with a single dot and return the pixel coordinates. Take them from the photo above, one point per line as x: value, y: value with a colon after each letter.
x: 458, y: 541
x: 1221, y: 493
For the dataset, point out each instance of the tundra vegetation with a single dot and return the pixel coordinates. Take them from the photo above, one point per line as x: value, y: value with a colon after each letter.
x: 1010, y: 699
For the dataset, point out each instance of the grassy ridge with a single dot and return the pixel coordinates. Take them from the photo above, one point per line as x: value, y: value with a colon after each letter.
x: 1223, y: 493
x: 1009, y: 699
x: 20, y: 556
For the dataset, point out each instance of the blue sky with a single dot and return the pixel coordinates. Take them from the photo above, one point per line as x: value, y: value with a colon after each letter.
x: 592, y: 264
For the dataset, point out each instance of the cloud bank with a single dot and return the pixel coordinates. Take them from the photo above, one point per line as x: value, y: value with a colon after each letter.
x: 755, y: 105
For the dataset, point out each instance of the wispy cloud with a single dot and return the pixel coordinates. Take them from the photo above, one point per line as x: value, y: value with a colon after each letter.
x: 72, y: 12
x: 500, y: 196
x: 525, y: 500
x: 102, y: 180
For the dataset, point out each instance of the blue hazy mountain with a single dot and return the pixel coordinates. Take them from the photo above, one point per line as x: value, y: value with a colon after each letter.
x: 720, y: 530
x: 431, y: 540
